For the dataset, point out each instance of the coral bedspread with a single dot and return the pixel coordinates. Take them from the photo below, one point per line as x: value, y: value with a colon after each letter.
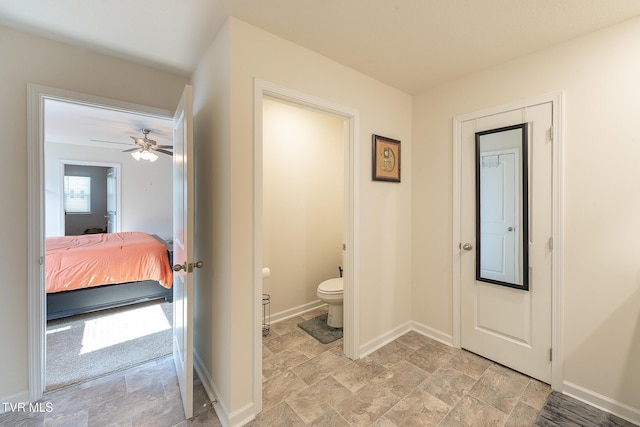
x: 75, y: 262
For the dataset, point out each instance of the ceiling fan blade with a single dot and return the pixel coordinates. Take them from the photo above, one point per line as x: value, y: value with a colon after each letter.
x: 130, y: 150
x: 164, y: 146
x: 138, y: 141
x: 160, y: 150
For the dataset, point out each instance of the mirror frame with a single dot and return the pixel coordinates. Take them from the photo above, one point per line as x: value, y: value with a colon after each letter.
x: 524, y: 207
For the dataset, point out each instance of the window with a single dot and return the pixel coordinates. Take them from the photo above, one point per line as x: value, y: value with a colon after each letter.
x: 77, y: 194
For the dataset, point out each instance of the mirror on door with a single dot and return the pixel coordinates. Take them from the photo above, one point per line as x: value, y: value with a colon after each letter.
x: 502, y: 231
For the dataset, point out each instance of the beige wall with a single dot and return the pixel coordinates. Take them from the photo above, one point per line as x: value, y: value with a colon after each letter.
x: 224, y: 118
x: 302, y: 203
x: 29, y: 59
x: 212, y: 290
x: 601, y: 294
x: 384, y: 221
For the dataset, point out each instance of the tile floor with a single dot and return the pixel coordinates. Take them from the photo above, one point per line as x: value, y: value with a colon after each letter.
x: 413, y: 381
x: 146, y: 395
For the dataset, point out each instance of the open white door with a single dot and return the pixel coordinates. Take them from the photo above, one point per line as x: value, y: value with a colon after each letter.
x: 183, y: 214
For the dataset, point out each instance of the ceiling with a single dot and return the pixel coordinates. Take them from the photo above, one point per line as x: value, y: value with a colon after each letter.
x: 80, y: 124
x: 411, y: 45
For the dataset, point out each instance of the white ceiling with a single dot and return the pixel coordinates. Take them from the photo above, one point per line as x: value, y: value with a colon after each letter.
x: 70, y: 123
x: 409, y: 44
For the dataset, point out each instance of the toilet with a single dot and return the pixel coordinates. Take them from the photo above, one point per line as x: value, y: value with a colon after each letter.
x: 331, y: 292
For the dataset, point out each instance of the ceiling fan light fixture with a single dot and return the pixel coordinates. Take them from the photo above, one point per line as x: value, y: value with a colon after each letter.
x: 145, y: 148
x: 148, y: 155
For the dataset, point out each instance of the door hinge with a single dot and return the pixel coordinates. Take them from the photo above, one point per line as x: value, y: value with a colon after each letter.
x: 551, y: 133
x: 550, y: 243
x: 41, y: 260
x: 550, y: 355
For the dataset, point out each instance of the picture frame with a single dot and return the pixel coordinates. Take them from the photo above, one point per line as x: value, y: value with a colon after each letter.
x: 386, y: 159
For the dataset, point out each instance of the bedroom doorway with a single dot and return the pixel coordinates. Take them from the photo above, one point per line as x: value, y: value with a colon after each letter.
x: 104, y: 199
x: 148, y: 179
x: 108, y: 330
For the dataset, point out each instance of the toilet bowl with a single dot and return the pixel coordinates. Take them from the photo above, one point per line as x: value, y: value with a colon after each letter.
x: 331, y: 292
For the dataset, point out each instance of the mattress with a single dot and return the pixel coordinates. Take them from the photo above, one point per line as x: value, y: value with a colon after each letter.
x: 76, y: 262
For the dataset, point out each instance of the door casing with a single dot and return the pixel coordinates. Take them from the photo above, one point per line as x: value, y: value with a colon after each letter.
x: 351, y: 213
x: 556, y: 99
x: 116, y: 167
x: 36, y: 95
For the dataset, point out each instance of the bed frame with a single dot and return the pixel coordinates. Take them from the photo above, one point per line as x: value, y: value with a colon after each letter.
x: 79, y: 301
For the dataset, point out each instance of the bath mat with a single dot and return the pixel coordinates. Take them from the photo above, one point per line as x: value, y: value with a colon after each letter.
x: 318, y: 328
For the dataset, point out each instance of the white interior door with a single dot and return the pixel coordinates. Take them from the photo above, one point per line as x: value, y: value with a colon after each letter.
x: 505, y: 324
x: 498, y: 187
x: 183, y: 216
x: 112, y: 188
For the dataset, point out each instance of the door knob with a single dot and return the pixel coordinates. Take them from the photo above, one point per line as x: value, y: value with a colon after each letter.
x: 467, y: 246
x: 510, y: 229
x: 198, y: 264
x: 179, y: 267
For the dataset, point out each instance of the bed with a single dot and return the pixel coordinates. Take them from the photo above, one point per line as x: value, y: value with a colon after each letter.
x: 97, y: 271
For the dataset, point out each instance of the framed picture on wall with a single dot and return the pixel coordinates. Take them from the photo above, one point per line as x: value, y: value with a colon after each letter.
x: 386, y: 159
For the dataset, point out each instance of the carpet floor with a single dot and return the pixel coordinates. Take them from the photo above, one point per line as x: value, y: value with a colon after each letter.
x: 318, y: 328
x: 90, y: 345
x: 561, y: 410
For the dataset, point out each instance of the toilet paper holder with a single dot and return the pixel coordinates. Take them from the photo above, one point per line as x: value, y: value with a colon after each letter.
x: 266, y: 314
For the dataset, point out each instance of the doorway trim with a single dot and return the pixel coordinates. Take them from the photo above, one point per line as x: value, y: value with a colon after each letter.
x: 351, y: 308
x: 556, y: 100
x: 36, y: 96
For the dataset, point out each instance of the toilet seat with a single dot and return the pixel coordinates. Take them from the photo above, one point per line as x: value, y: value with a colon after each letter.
x: 331, y: 292
x: 331, y: 287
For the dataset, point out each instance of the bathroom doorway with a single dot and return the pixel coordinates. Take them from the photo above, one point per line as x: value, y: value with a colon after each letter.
x: 302, y: 204
x: 342, y: 166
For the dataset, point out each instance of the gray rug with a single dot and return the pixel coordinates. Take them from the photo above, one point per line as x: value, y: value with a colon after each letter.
x: 87, y: 346
x: 318, y: 328
x: 562, y: 410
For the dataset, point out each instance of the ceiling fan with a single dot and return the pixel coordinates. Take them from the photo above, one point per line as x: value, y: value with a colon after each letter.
x: 145, y: 148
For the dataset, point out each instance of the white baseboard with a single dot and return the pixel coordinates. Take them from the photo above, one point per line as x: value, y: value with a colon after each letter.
x: 397, y: 332
x: 19, y: 397
x: 296, y: 311
x: 246, y: 413
x: 605, y: 403
x: 384, y: 339
x: 434, y: 334
x: 227, y: 419
x: 243, y: 415
x: 212, y: 391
